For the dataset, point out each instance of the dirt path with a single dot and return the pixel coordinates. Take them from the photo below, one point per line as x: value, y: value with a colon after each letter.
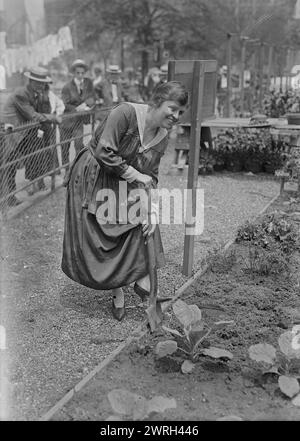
x: 56, y: 330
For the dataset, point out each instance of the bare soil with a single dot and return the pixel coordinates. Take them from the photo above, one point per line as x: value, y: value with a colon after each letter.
x: 262, y: 307
x: 57, y: 331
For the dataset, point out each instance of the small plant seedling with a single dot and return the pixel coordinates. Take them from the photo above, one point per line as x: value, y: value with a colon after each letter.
x: 219, y: 261
x: 265, y: 262
x: 191, y: 340
x: 283, y: 362
x: 132, y: 407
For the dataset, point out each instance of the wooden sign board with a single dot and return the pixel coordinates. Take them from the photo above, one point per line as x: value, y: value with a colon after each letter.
x: 200, y: 79
x: 182, y: 70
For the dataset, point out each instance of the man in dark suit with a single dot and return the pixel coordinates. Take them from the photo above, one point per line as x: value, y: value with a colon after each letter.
x: 78, y: 95
x: 24, y: 105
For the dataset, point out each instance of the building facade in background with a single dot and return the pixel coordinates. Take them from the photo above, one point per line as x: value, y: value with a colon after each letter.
x: 23, y: 21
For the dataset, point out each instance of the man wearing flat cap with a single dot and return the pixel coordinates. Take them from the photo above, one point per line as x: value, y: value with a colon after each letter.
x: 25, y: 104
x: 78, y: 95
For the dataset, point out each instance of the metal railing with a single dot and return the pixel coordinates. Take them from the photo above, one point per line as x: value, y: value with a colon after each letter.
x: 41, y: 150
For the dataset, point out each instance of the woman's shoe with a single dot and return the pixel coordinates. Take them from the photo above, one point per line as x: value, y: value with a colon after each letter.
x: 144, y: 294
x: 118, y: 313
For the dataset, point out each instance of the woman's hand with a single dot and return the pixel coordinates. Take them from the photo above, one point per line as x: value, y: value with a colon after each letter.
x: 148, y: 229
x: 145, y: 180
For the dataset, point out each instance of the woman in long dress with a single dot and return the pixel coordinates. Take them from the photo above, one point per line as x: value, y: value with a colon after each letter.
x: 104, y: 252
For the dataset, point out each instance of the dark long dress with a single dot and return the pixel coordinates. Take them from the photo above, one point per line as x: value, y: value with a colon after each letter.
x: 114, y: 254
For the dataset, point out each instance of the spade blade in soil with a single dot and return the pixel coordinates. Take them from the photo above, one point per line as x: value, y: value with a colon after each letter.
x: 155, y: 315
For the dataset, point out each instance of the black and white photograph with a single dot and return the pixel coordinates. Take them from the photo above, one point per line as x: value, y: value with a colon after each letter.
x: 149, y: 214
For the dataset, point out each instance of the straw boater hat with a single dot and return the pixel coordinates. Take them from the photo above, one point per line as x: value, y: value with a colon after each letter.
x: 164, y: 69
x: 38, y: 74
x: 113, y: 68
x: 79, y: 63
x: 154, y: 71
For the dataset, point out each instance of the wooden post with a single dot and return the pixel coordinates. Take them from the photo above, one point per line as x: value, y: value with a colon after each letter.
x: 243, y: 59
x: 73, y: 22
x: 261, y: 74
x: 52, y: 181
x: 122, y: 56
x: 280, y: 84
x: 200, y: 79
x: 53, y: 153
x: 229, y: 63
x: 281, y: 70
x: 252, y: 81
x: 145, y: 63
x: 160, y: 52
x: 270, y: 65
x: 286, y: 76
x: 197, y: 94
x: 288, y: 68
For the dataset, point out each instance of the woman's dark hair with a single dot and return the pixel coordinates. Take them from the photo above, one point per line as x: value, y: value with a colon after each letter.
x: 170, y: 91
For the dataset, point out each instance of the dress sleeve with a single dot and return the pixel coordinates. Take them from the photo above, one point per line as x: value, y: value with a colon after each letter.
x: 155, y: 168
x: 107, y: 148
x: 131, y: 174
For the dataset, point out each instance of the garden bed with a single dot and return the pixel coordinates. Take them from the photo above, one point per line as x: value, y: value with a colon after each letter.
x: 58, y: 331
x: 262, y: 305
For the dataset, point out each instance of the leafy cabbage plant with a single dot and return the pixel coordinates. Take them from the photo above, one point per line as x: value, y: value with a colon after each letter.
x: 190, y: 341
x: 132, y: 407
x: 284, y: 362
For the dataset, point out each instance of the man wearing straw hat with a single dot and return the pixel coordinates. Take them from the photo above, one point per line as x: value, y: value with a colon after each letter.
x: 78, y: 95
x: 24, y: 105
x: 111, y: 87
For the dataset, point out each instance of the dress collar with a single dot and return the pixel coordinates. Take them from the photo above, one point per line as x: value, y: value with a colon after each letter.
x: 141, y: 113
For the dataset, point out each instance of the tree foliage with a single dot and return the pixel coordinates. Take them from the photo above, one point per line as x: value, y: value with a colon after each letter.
x: 188, y: 28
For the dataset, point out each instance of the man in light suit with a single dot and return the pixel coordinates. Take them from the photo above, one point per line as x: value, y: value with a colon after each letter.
x: 78, y: 95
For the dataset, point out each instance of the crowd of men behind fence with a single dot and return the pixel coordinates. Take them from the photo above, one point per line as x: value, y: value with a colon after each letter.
x: 49, y: 120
